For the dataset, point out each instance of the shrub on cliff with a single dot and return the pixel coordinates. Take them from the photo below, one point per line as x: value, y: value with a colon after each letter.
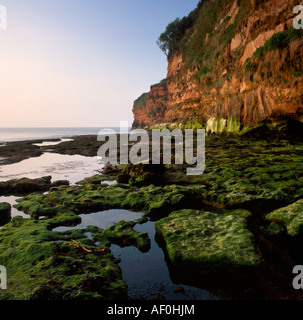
x: 280, y: 40
x: 170, y: 39
x: 174, y: 32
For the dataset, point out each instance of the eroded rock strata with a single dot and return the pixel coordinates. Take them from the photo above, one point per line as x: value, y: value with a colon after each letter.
x: 239, y: 63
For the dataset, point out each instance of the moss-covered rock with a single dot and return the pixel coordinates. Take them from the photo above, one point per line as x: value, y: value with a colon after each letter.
x: 123, y: 234
x: 96, y: 179
x: 240, y: 173
x: 59, y: 183
x: 274, y: 230
x: 142, y: 175
x: 291, y: 217
x: 5, y: 213
x: 91, y: 198
x: 245, y: 173
x: 48, y: 265
x: 208, y: 242
x: 25, y: 186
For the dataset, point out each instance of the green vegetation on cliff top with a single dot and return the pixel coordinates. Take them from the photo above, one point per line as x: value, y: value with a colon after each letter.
x: 200, y: 36
x: 204, y: 37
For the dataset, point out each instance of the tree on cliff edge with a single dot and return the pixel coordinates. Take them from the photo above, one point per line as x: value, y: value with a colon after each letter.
x: 170, y: 38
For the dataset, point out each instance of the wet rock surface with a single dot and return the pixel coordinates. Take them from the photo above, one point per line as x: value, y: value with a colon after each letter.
x: 290, y: 217
x: 240, y: 220
x: 5, y: 213
x: 46, y: 265
x: 123, y: 234
x: 208, y: 242
x: 26, y: 186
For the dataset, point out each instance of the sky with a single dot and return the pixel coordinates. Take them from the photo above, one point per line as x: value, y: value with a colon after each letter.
x: 72, y: 63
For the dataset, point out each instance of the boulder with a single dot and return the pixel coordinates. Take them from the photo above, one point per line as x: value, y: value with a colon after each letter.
x: 59, y: 183
x: 124, y: 235
x: 208, y: 243
x: 5, y: 213
x: 291, y: 217
x: 25, y: 186
x: 142, y: 175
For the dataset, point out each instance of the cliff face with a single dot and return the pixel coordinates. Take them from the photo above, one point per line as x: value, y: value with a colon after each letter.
x: 242, y: 68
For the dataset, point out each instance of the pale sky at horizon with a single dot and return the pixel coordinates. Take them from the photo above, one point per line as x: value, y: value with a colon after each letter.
x: 70, y: 63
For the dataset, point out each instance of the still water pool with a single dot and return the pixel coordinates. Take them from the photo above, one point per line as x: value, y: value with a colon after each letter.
x: 146, y: 274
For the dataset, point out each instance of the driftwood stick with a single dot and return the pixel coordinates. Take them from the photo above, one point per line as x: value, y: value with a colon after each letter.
x: 78, y: 245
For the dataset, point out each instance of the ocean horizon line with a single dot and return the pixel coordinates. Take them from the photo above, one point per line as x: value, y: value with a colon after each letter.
x: 12, y: 134
x: 59, y: 127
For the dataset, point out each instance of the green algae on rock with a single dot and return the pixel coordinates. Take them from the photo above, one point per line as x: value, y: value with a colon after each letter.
x: 142, y: 174
x: 259, y: 176
x: 42, y: 264
x: 208, y: 242
x: 254, y: 175
x: 25, y: 186
x: 5, y: 213
x: 291, y: 217
x: 123, y: 234
x: 96, y: 179
x: 91, y: 198
x: 245, y: 173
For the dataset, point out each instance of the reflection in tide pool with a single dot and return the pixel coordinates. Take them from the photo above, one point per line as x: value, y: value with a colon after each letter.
x: 60, y: 167
x: 146, y: 274
x: 103, y: 219
x: 12, y: 201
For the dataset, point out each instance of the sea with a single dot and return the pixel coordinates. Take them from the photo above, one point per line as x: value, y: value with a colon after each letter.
x: 73, y: 168
x: 22, y: 134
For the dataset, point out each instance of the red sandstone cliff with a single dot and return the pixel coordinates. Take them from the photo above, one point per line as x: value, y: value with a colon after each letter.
x: 249, y: 69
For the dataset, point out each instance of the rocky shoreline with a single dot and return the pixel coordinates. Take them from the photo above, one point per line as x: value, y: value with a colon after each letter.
x: 14, y: 152
x: 235, y: 231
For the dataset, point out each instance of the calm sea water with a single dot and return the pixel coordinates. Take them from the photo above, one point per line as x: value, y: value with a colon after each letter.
x: 20, y: 134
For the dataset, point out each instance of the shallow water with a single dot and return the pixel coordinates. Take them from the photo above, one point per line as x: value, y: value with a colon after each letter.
x: 146, y: 274
x: 48, y: 143
x: 103, y: 219
x: 61, y: 167
x: 12, y: 201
